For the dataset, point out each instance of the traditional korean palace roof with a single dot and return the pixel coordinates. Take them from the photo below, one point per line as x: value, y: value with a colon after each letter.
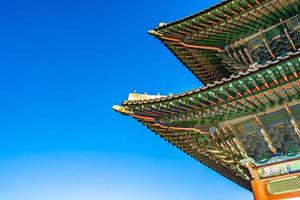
x: 201, y: 41
x: 181, y: 119
x: 247, y: 53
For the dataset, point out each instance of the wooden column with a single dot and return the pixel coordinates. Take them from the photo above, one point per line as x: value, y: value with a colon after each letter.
x: 259, y: 190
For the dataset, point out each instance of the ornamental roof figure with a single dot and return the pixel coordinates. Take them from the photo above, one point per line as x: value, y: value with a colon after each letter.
x: 244, y: 123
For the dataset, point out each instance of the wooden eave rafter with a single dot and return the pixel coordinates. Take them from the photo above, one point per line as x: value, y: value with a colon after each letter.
x: 211, y: 29
x: 198, y: 151
x: 268, y: 76
x: 192, y: 46
x: 250, y: 92
x: 213, y: 99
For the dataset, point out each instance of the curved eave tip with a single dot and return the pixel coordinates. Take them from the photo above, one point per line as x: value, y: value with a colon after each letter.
x: 154, y: 33
x: 121, y: 109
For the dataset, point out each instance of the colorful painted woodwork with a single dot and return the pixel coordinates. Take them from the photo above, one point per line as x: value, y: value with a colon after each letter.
x: 244, y: 123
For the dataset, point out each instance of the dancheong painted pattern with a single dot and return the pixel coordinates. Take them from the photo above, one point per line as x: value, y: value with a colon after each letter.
x: 244, y: 123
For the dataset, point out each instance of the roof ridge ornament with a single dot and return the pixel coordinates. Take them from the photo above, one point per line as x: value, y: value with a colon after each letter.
x: 247, y: 81
x: 161, y: 24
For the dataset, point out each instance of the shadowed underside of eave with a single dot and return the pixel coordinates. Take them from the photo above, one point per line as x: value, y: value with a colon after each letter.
x: 211, y: 44
x: 196, y: 40
x: 158, y: 113
x: 206, y: 160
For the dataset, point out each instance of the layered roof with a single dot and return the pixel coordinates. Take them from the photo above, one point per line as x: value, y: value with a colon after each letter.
x: 182, y: 119
x: 198, y: 39
x: 201, y: 42
x: 242, y: 82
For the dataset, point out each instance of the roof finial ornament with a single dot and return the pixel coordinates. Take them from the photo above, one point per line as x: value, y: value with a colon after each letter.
x: 162, y: 24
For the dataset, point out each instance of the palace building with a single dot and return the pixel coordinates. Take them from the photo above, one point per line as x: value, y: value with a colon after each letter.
x: 244, y: 123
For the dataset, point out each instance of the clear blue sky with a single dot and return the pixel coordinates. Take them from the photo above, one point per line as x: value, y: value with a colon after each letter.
x: 63, y: 65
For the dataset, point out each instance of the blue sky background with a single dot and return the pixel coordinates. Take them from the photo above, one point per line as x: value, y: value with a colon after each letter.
x: 63, y: 65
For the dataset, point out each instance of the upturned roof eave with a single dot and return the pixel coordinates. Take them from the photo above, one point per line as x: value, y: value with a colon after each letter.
x: 212, y: 85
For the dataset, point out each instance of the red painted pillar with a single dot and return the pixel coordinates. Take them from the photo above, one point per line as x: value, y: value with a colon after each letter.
x: 259, y: 190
